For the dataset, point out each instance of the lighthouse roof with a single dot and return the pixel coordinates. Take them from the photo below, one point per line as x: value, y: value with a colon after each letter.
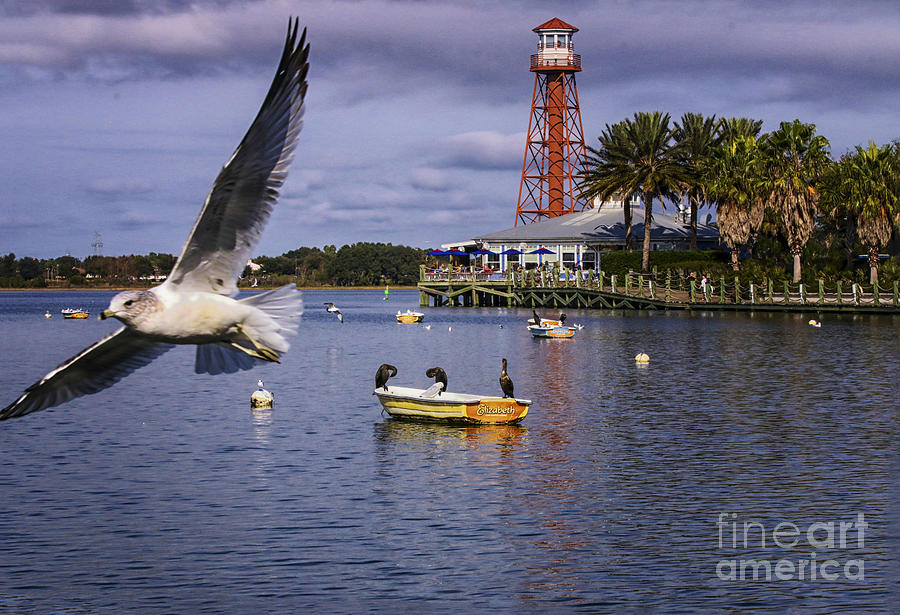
x: 555, y: 24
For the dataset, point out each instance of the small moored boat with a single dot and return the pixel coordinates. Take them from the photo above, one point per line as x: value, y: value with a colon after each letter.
x: 410, y: 316
x: 74, y: 313
x: 551, y: 329
x: 409, y: 403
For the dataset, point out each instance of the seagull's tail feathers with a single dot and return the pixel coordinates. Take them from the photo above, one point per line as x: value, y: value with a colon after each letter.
x: 283, y: 306
x: 263, y: 334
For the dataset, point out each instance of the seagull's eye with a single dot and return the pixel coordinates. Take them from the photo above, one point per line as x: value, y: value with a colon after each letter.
x: 129, y: 302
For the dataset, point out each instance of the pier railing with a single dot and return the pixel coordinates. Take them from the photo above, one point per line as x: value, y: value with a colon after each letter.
x: 678, y: 290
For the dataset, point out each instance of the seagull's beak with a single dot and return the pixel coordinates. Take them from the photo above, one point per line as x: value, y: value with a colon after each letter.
x: 106, y: 314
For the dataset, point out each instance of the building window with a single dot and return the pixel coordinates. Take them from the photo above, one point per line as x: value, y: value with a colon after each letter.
x: 587, y: 260
x: 568, y: 259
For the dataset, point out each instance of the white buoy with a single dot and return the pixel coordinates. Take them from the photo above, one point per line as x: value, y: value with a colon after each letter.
x: 642, y: 357
x: 261, y: 398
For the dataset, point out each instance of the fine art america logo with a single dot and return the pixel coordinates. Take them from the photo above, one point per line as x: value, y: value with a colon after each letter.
x: 815, y: 540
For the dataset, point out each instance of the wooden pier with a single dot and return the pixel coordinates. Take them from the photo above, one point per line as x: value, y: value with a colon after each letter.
x: 596, y: 290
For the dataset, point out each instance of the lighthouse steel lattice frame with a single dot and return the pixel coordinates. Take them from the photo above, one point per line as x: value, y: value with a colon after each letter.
x: 554, y: 152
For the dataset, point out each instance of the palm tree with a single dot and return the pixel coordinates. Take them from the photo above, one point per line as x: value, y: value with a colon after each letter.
x: 612, y: 141
x: 730, y: 182
x: 865, y: 185
x: 696, y: 136
x: 640, y: 159
x: 730, y: 128
x: 795, y: 158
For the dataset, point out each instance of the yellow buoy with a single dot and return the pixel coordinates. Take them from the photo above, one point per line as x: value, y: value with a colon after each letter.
x: 261, y: 398
x: 642, y: 357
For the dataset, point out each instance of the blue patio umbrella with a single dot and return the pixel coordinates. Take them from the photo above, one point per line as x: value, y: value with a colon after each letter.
x: 511, y: 252
x: 437, y: 253
x: 540, y: 252
x: 481, y: 252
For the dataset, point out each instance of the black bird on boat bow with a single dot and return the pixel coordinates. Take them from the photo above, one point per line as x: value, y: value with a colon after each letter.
x: 384, y: 372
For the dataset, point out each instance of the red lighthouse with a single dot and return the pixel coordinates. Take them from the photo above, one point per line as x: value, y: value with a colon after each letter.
x: 554, y: 151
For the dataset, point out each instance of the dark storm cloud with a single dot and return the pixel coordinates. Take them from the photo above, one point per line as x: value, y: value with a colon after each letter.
x: 761, y: 52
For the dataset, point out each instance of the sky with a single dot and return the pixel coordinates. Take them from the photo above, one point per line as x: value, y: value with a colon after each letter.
x: 117, y: 115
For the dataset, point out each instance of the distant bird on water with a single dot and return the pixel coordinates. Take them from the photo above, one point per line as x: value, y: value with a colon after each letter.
x: 196, y: 304
x: 439, y: 375
x: 384, y: 372
x: 506, y: 383
x: 334, y: 310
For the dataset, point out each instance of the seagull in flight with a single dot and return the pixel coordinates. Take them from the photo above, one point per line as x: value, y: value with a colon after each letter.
x: 330, y: 307
x: 196, y: 304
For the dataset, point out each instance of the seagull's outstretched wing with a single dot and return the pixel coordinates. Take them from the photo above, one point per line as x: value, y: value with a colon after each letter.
x: 246, y: 189
x: 93, y: 369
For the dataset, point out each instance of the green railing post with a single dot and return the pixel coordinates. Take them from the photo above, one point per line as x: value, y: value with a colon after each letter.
x: 668, y: 288
x: 600, y: 280
x: 821, y: 291
x: 896, y: 295
x: 787, y: 293
x: 628, y: 283
x: 802, y: 293
x: 840, y: 295
x: 771, y: 296
x: 722, y: 289
x: 421, y: 273
x: 612, y: 283
x: 693, y: 291
x: 752, y: 294
x: 737, y: 290
x: 875, y: 294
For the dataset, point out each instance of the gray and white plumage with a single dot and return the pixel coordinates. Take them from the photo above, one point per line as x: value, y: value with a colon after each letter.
x: 330, y: 307
x: 196, y: 305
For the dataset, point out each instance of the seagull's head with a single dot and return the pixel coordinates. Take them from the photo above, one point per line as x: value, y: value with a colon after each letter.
x: 131, y: 306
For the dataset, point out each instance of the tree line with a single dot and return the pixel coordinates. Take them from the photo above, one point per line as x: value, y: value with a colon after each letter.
x: 359, y: 264
x: 783, y: 185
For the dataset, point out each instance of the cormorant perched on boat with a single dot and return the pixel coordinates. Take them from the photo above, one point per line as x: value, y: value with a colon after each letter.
x: 384, y: 372
x: 506, y: 383
x: 562, y: 317
x: 439, y: 375
x: 537, y: 319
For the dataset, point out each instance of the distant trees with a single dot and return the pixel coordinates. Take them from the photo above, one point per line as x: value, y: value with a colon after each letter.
x: 351, y: 265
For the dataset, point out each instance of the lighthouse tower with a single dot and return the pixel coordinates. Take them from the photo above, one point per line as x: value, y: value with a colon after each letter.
x: 554, y: 151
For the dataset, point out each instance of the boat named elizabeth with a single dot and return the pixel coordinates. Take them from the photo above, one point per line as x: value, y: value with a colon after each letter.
x: 410, y: 403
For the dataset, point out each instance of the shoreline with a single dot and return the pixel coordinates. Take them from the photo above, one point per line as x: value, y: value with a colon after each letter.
x: 241, y: 288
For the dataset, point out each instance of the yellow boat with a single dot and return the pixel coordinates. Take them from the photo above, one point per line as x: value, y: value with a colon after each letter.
x: 410, y: 316
x: 73, y: 313
x: 409, y: 403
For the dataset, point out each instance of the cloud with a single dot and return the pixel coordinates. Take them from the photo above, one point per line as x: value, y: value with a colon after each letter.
x: 429, y: 179
x: 483, y: 150
x: 115, y: 188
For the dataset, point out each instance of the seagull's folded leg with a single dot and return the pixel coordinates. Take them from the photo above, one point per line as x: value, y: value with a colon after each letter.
x: 262, y: 352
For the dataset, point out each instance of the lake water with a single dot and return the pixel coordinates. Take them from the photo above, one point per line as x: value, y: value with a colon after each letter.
x: 627, y: 488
